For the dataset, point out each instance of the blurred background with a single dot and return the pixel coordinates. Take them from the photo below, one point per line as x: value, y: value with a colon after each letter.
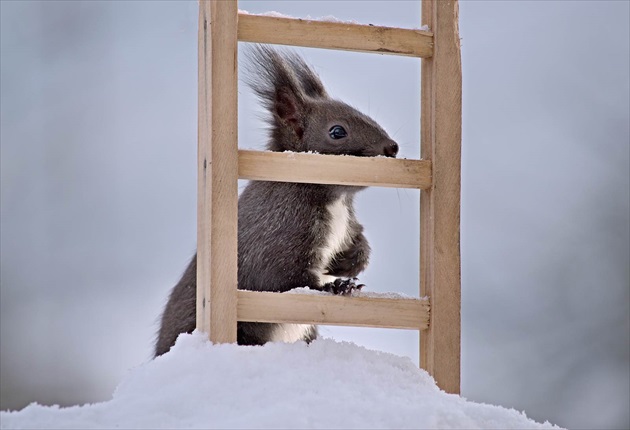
x: 98, y: 193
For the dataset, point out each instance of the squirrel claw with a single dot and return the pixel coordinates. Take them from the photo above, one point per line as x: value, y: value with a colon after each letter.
x: 343, y: 287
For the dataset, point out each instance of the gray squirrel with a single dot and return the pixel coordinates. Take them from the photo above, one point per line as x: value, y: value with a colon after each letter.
x: 292, y: 235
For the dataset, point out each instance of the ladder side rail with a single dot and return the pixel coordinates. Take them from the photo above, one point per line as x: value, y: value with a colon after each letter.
x: 217, y: 192
x: 440, y: 345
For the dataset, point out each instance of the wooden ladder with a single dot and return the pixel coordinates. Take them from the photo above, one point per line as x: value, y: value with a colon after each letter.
x: 220, y: 163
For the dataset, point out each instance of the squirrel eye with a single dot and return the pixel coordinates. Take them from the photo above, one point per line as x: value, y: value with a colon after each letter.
x: 337, y: 132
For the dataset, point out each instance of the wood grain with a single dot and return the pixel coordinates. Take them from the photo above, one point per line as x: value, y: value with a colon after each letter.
x: 440, y: 205
x: 217, y: 171
x: 333, y: 310
x: 334, y: 35
x: 333, y: 169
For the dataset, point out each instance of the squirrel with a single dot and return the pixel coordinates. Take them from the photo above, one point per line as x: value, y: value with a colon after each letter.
x: 292, y: 235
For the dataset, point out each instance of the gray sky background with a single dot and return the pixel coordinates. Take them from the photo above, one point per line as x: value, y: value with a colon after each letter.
x: 98, y: 198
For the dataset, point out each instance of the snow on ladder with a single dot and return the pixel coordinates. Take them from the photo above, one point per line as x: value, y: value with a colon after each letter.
x: 220, y: 163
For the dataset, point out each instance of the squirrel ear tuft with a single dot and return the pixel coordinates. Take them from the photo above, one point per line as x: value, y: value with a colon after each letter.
x: 310, y: 81
x: 274, y: 78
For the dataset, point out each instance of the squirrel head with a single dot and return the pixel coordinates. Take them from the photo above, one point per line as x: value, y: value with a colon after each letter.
x: 303, y: 117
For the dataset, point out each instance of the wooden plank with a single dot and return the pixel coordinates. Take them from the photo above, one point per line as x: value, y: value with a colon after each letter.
x: 440, y: 205
x: 217, y: 167
x: 334, y: 35
x: 334, y: 169
x: 333, y: 310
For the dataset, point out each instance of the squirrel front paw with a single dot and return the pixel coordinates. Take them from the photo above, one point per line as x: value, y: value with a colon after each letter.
x: 343, y: 287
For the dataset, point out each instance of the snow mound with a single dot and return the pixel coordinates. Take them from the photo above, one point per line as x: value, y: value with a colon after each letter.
x: 323, y: 385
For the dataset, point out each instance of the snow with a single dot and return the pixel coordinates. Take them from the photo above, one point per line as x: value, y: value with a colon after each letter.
x: 326, y: 384
x: 327, y: 18
x: 371, y: 294
x: 390, y: 295
x: 331, y: 18
x: 274, y: 14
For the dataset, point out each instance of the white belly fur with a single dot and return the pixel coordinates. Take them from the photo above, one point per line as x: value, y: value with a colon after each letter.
x: 290, y: 333
x: 335, y: 241
x: 337, y: 236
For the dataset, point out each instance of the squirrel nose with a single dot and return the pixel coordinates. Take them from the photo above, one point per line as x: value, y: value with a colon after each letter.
x: 390, y: 149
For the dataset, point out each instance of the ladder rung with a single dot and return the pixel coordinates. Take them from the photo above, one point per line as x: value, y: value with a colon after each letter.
x: 333, y: 169
x: 333, y: 310
x: 334, y: 35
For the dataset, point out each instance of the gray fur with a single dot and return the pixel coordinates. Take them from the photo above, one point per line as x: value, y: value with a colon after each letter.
x: 285, y: 228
